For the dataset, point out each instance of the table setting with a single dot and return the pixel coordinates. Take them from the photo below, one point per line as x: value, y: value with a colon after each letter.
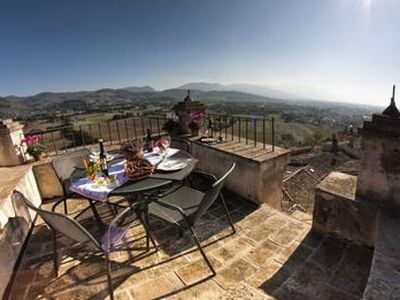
x: 133, y: 169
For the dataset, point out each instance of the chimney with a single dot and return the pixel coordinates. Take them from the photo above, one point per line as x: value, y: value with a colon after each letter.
x: 379, y: 175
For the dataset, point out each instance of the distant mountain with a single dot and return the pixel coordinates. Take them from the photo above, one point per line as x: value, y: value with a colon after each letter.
x: 202, y: 86
x: 260, y: 90
x: 286, y: 92
x: 139, y: 89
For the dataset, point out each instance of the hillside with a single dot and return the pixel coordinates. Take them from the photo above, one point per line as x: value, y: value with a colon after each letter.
x: 51, y: 101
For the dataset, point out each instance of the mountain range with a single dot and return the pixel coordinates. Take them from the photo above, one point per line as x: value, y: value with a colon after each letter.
x: 276, y: 92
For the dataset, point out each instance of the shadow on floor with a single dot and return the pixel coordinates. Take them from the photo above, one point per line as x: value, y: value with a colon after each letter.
x: 322, y: 267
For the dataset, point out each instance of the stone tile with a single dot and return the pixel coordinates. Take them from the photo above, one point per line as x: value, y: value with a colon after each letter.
x: 329, y: 253
x: 277, y: 221
x: 285, y: 236
x: 235, y: 272
x: 309, y: 280
x: 329, y: 293
x: 352, y: 273
x: 206, y: 290
x: 264, y: 273
x: 243, y: 291
x: 295, y: 251
x: 159, y: 287
x: 260, y: 232
x: 232, y: 250
x: 264, y: 252
x: 302, y: 216
x: 312, y: 239
x: 197, y: 270
x: 122, y: 295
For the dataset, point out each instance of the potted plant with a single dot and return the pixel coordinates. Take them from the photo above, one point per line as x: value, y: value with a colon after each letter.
x: 171, y: 126
x: 33, y: 147
x: 195, y: 122
x: 91, y: 168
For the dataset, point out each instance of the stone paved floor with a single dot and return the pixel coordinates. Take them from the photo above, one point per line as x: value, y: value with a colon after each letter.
x: 272, y: 256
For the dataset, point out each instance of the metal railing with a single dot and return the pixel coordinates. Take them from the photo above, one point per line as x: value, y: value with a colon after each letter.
x: 255, y: 131
x: 66, y: 139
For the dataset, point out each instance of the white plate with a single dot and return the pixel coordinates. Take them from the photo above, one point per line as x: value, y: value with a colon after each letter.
x: 95, y: 156
x: 171, y: 165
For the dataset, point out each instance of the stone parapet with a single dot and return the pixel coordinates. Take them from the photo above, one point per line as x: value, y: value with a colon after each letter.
x: 337, y: 212
x: 259, y: 172
x: 15, y: 219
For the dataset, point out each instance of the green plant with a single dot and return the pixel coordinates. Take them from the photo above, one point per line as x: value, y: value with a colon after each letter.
x: 171, y: 125
x: 33, y: 147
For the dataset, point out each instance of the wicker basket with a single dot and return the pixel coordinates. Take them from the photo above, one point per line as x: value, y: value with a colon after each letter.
x: 138, y: 169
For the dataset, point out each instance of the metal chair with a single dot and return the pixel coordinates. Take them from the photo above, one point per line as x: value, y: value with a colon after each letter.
x: 184, y: 207
x: 71, y: 228
x: 67, y: 167
x: 180, y: 143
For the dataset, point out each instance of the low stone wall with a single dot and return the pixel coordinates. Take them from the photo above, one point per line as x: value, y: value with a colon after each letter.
x: 15, y: 219
x: 259, y: 172
x: 337, y: 212
x: 384, y: 276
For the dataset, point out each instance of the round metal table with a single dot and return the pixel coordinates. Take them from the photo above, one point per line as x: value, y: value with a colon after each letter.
x: 159, y: 179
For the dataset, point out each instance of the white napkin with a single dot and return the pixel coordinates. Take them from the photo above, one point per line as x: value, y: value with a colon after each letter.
x: 154, y: 157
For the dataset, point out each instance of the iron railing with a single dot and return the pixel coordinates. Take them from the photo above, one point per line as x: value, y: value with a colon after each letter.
x: 65, y: 139
x: 255, y: 130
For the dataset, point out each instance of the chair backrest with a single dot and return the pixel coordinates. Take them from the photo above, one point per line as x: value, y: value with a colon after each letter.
x: 59, y: 222
x: 180, y: 144
x: 212, y: 194
x: 65, y: 166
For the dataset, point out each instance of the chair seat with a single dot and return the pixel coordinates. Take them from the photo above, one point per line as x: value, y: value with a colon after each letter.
x: 185, y: 197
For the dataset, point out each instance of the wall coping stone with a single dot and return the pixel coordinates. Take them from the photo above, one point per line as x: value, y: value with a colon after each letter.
x: 9, y: 178
x: 253, y: 153
x: 339, y: 184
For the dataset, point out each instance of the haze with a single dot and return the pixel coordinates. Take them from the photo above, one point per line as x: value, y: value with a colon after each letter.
x: 346, y: 48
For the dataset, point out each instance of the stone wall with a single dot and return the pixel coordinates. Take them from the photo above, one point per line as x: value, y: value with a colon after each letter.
x: 257, y: 180
x: 337, y: 212
x: 15, y: 219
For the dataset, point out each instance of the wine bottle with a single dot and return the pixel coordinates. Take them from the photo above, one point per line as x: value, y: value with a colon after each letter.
x: 149, y: 141
x: 103, y: 159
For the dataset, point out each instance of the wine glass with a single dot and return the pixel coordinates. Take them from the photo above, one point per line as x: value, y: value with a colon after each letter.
x: 166, y: 143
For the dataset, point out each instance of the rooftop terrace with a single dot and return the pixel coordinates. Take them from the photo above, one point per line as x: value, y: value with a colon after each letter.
x: 272, y: 255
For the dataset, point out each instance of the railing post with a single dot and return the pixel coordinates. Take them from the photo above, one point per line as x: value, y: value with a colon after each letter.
x: 118, y: 132
x: 44, y: 143
x: 255, y: 131
x: 233, y: 127
x: 82, y: 136
x: 126, y: 130
x: 134, y: 127
x: 263, y: 132
x: 226, y: 127
x: 158, y: 127
x: 99, y: 127
x: 240, y: 129
x: 143, y: 130
x: 273, y: 133
x: 247, y: 129
x: 54, y: 143
x: 109, y: 131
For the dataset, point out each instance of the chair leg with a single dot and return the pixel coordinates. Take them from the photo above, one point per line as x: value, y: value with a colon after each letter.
x: 227, y: 213
x: 196, y: 239
x: 148, y: 234
x: 109, y: 280
x: 55, y: 256
x: 65, y: 207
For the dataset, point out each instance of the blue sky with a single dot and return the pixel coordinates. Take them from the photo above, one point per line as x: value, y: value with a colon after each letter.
x: 349, y: 48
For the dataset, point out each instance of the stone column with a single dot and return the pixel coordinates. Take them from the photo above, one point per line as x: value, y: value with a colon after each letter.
x: 379, y: 175
x: 10, y: 136
x: 184, y: 108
